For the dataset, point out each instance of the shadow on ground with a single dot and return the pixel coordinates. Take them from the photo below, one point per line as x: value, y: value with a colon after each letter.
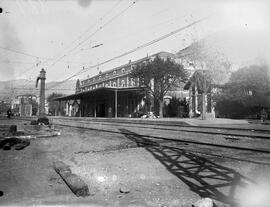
x: 203, y: 177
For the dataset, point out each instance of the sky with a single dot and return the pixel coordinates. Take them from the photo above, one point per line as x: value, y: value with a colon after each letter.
x: 67, y: 36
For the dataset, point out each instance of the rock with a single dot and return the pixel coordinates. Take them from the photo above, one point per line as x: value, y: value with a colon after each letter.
x: 13, y: 129
x: 204, y: 202
x: 7, y: 144
x: 61, y: 168
x: 124, y: 189
x: 43, y: 120
x: 76, y: 185
x: 22, y: 145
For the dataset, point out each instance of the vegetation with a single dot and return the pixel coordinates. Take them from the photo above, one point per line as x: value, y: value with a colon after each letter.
x: 34, y: 106
x: 158, y: 77
x: 55, y: 105
x: 176, y: 108
x: 4, y: 107
x: 212, y: 68
x: 246, y: 93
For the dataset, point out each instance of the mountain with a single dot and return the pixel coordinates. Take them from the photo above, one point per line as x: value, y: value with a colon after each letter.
x: 12, y: 88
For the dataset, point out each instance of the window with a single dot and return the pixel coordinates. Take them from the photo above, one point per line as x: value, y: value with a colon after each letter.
x: 114, y: 84
x: 99, y: 77
x: 122, y: 83
x: 123, y: 70
x: 132, y: 82
x: 114, y: 72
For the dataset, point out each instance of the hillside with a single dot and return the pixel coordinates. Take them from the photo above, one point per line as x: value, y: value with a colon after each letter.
x: 13, y: 88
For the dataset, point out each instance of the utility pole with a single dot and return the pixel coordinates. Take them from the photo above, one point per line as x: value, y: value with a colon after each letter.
x: 42, y: 78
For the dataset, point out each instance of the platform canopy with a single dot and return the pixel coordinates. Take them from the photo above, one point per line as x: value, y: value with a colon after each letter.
x: 98, y: 90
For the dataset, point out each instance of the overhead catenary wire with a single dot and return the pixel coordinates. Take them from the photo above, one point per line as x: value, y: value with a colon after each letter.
x: 105, y: 24
x: 93, y: 25
x: 145, y: 28
x: 22, y: 53
x: 92, y: 34
x: 90, y: 27
x: 132, y: 50
x: 16, y: 62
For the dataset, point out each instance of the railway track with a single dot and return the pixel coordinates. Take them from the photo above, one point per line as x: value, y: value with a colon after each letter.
x: 248, y: 133
x: 149, y: 140
x: 173, y: 142
x: 159, y: 123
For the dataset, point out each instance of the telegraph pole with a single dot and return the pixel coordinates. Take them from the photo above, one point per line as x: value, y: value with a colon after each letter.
x: 42, y: 78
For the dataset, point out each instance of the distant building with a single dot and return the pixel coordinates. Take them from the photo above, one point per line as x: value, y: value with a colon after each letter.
x: 22, y: 104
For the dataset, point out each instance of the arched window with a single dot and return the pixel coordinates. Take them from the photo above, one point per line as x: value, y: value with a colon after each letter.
x: 123, y: 70
x: 114, y: 84
x: 114, y: 72
x: 123, y: 83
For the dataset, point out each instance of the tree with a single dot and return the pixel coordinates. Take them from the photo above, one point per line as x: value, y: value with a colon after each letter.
x: 78, y: 86
x: 212, y: 67
x: 55, y: 105
x: 248, y: 87
x: 158, y: 76
x: 34, y: 106
x: 3, y: 107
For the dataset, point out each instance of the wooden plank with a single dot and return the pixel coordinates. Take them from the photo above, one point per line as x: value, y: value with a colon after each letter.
x: 76, y: 184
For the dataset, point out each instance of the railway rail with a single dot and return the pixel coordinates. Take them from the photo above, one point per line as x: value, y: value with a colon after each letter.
x: 248, y: 133
x: 180, y: 124
x: 172, y: 142
x: 148, y: 140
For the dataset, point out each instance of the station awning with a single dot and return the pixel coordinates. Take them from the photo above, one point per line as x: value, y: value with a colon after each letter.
x: 92, y: 92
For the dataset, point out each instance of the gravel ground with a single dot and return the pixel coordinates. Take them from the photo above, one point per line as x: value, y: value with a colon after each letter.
x: 107, y: 162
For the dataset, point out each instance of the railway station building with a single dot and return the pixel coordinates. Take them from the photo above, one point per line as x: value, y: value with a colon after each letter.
x: 110, y: 94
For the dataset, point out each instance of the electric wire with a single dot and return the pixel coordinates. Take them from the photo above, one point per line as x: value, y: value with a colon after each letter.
x: 92, y: 34
x: 22, y: 53
x: 133, y: 50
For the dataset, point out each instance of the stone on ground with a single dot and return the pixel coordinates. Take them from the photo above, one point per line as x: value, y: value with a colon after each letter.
x: 204, y: 202
x: 124, y: 189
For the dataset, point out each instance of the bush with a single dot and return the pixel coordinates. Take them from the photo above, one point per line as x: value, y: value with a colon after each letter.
x: 43, y: 120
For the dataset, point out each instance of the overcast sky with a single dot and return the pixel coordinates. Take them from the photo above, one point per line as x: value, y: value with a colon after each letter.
x: 61, y: 34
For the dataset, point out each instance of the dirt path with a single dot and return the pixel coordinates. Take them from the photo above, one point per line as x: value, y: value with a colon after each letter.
x: 107, y: 162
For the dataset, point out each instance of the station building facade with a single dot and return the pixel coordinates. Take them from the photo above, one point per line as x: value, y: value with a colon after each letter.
x: 110, y: 94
